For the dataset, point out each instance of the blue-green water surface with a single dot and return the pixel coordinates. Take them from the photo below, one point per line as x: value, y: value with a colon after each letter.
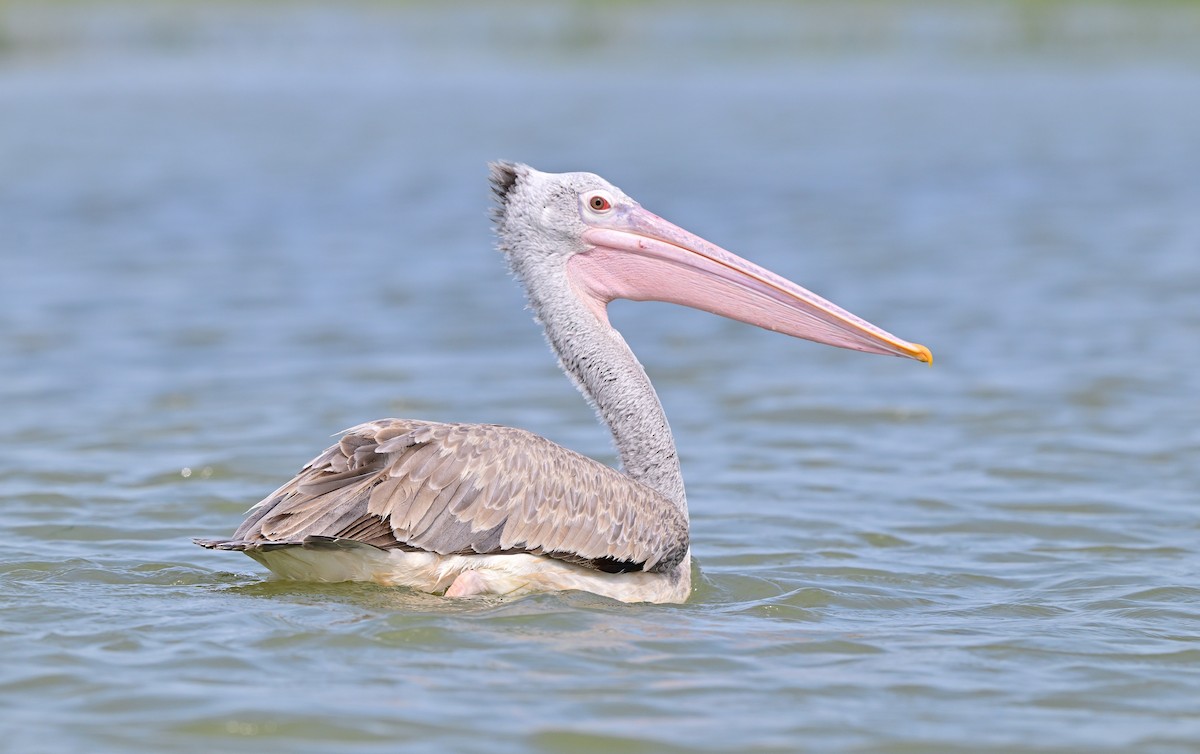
x: 230, y: 230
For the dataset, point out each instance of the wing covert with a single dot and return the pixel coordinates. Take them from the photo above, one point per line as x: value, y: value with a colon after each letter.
x: 473, y: 488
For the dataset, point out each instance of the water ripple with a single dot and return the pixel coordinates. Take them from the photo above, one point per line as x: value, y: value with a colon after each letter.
x: 241, y: 227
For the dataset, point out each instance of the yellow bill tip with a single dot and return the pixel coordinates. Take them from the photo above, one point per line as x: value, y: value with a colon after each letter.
x: 921, y: 353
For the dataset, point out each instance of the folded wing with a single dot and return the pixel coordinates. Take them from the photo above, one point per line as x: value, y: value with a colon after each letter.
x: 470, y: 489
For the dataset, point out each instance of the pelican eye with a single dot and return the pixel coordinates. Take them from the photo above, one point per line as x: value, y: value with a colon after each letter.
x: 599, y: 203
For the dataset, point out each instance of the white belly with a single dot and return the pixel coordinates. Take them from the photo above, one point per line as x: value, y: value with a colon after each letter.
x: 467, y: 575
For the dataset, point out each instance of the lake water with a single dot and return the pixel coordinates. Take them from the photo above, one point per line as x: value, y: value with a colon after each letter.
x: 230, y: 230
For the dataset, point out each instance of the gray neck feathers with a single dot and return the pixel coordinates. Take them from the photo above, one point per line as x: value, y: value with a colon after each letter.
x: 602, y: 366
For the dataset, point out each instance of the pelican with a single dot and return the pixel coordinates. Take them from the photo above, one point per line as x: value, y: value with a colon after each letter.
x: 481, y: 509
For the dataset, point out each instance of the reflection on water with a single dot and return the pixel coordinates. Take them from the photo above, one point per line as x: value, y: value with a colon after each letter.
x: 231, y: 230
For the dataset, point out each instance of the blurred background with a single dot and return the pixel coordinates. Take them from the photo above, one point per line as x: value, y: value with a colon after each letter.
x: 230, y: 229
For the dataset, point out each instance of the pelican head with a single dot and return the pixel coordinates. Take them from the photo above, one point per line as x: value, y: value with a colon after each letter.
x: 581, y: 227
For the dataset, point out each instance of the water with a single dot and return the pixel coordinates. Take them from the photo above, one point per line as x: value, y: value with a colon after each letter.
x: 229, y: 231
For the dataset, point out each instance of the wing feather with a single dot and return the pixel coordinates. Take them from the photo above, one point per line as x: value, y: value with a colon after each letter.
x: 472, y: 488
